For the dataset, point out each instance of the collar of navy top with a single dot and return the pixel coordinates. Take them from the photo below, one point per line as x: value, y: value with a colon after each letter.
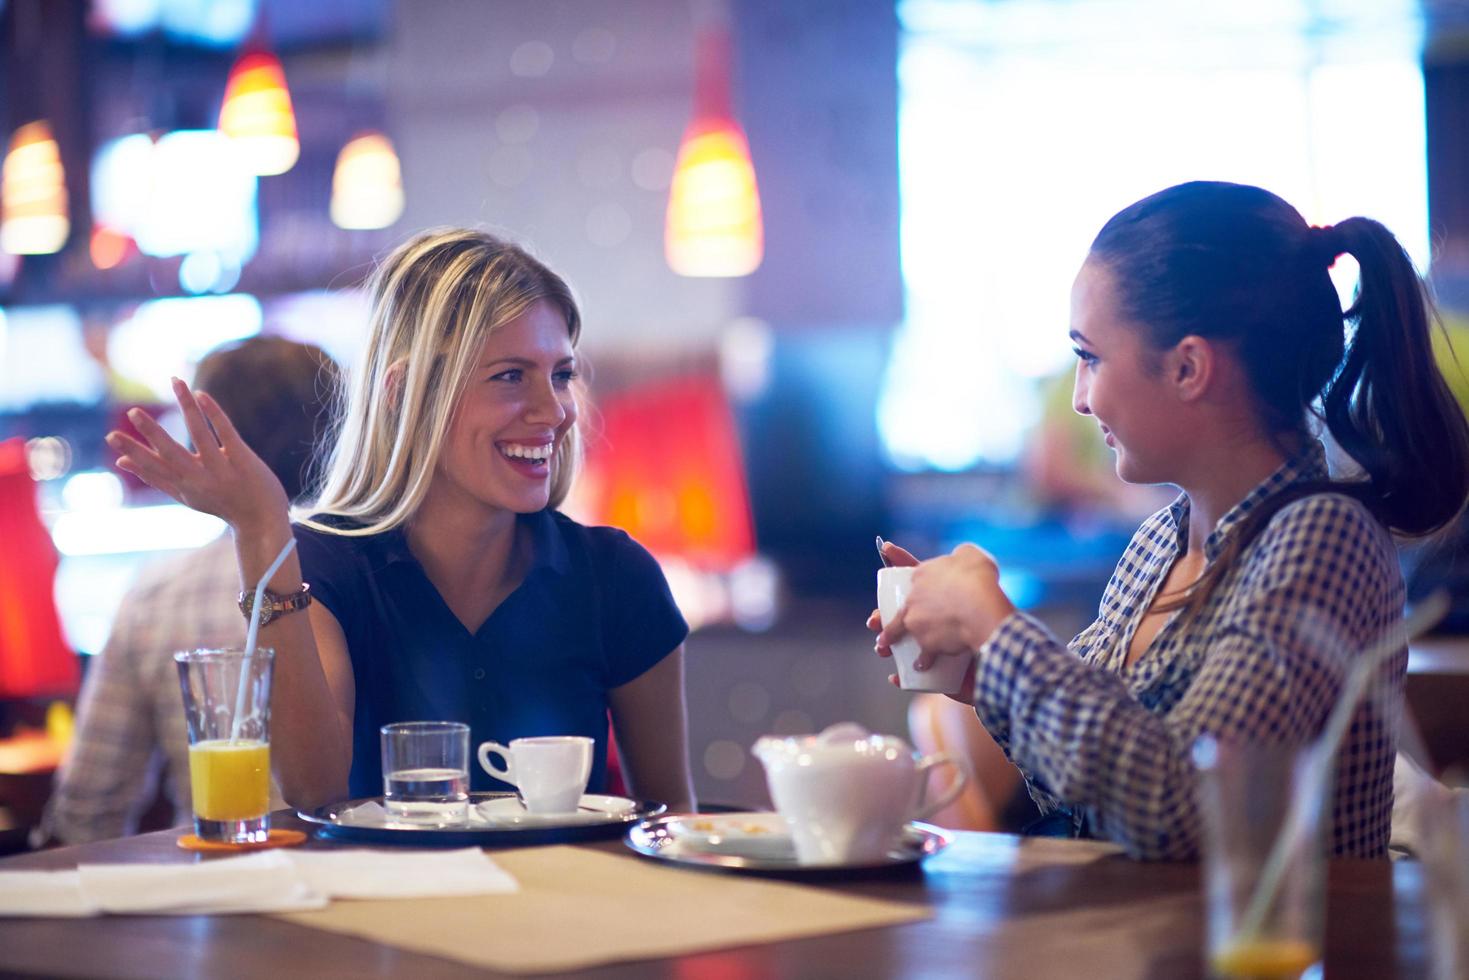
x: 548, y: 550
x: 1307, y: 464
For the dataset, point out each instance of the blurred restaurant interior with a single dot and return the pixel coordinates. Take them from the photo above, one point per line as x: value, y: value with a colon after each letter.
x: 823, y: 250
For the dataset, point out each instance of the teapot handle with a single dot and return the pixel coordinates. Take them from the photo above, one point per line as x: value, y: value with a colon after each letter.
x: 927, y: 763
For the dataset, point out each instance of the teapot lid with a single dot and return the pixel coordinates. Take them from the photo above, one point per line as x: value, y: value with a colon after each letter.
x: 842, y: 740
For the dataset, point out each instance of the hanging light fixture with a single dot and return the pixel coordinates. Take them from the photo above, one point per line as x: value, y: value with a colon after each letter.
x: 367, y: 185
x: 33, y: 206
x: 713, y: 226
x: 256, y: 114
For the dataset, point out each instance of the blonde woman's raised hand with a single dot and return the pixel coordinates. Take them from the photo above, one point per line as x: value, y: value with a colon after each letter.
x: 222, y: 476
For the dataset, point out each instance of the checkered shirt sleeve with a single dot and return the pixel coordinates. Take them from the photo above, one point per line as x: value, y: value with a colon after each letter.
x: 1263, y: 662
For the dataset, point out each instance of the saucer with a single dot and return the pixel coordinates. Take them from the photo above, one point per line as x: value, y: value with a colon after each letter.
x: 593, y: 808
x: 759, y: 843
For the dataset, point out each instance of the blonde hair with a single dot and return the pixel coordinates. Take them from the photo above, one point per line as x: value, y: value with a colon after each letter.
x: 435, y: 299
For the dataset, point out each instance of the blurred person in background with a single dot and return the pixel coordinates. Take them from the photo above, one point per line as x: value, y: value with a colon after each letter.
x: 1207, y: 330
x: 131, y: 730
x: 446, y: 584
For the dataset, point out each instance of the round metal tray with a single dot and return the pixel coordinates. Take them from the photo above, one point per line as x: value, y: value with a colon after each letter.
x: 326, y: 823
x: 660, y: 839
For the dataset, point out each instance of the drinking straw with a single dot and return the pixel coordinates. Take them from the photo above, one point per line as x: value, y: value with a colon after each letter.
x: 1320, y: 756
x: 251, y: 634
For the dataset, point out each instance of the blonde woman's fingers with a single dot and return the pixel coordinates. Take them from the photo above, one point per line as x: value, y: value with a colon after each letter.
x: 204, y: 441
x: 150, y: 474
x: 229, y: 436
x: 125, y: 445
x: 158, y: 439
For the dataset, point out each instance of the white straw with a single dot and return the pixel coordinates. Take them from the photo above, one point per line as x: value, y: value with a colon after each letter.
x: 251, y: 634
x: 1314, y: 786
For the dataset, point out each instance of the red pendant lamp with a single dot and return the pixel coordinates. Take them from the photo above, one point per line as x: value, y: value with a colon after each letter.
x: 257, y: 115
x: 714, y: 226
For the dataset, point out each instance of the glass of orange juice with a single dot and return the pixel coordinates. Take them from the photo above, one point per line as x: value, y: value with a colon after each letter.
x: 1246, y: 794
x: 227, y: 704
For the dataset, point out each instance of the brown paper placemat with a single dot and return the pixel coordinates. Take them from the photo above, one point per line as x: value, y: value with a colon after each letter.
x: 578, y: 908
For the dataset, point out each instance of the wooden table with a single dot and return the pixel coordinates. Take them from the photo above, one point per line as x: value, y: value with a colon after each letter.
x: 1083, y: 913
x: 1437, y: 690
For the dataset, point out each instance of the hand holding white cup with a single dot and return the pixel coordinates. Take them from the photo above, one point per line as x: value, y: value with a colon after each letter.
x: 946, y: 675
x: 550, y: 772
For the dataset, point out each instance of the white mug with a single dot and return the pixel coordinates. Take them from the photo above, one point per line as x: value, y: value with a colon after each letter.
x: 846, y: 794
x: 946, y: 675
x: 550, y: 771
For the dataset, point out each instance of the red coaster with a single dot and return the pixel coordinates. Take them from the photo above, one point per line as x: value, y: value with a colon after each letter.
x: 277, y: 838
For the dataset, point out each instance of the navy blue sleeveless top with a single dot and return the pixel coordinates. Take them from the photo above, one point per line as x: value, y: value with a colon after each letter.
x: 593, y: 613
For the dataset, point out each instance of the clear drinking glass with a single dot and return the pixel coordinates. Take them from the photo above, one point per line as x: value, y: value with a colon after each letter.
x: 227, y: 704
x: 1246, y: 794
x: 426, y: 772
x: 1443, y: 828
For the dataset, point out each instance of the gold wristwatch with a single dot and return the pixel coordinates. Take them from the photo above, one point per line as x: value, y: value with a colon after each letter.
x: 275, y: 604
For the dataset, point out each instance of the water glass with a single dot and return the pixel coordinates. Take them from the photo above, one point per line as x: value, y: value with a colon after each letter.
x: 1443, y: 829
x: 227, y: 705
x: 1248, y: 795
x: 426, y: 772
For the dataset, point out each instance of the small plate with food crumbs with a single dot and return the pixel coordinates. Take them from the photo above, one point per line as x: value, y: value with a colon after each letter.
x: 760, y: 843
x: 755, y: 835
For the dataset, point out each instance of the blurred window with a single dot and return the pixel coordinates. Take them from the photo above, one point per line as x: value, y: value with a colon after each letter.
x: 164, y: 338
x: 43, y: 359
x: 220, y: 23
x: 1025, y: 124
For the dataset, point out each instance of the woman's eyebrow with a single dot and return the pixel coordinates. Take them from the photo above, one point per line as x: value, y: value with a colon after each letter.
x: 1078, y: 335
x: 520, y: 361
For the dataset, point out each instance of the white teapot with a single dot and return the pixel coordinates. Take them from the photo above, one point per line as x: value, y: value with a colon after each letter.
x: 846, y: 793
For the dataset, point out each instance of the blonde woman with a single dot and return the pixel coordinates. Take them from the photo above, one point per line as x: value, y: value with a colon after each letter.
x: 443, y: 583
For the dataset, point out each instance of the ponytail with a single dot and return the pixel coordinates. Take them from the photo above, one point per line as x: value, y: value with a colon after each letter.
x: 1389, y: 407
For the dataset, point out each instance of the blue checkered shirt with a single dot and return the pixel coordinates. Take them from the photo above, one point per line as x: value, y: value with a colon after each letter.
x: 1110, y: 743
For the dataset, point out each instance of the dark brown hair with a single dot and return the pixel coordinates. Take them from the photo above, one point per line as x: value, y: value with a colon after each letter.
x: 1237, y: 264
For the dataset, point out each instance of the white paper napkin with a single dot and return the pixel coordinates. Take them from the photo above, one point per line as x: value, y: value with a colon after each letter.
x: 53, y: 893
x: 402, y: 874
x: 269, y: 881
x: 262, y: 882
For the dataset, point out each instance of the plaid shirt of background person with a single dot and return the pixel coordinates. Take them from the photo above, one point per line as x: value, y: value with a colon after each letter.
x: 1262, y: 662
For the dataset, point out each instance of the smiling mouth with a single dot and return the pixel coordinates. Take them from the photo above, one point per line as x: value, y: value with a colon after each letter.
x: 536, y: 456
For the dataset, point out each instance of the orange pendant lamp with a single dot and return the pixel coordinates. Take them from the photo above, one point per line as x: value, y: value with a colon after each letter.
x: 367, y: 185
x: 713, y: 226
x: 257, y: 115
x: 33, y: 209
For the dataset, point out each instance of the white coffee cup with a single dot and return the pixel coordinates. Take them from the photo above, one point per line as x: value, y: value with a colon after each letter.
x: 946, y: 675
x: 550, y: 772
x: 846, y: 794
